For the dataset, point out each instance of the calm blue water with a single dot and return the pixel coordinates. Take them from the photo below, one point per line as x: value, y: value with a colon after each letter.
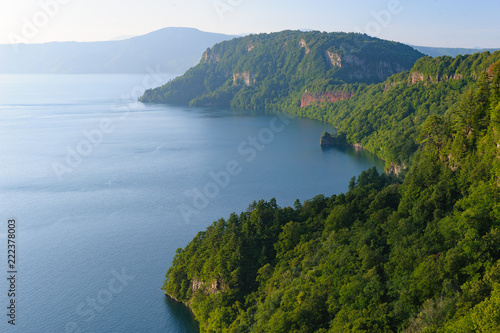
x: 102, y: 189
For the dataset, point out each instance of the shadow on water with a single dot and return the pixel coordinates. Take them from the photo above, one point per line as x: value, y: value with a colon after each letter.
x: 220, y: 112
x: 186, y: 323
x: 359, y: 155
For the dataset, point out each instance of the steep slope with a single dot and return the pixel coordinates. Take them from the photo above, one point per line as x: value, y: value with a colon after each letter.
x: 417, y: 256
x: 264, y: 70
x: 172, y: 50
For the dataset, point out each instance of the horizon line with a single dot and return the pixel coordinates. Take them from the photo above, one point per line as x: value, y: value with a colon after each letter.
x: 119, y: 39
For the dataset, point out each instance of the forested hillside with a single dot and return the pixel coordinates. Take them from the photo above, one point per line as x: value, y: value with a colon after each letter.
x: 419, y: 255
x: 263, y: 71
x: 386, y: 118
x: 376, y: 93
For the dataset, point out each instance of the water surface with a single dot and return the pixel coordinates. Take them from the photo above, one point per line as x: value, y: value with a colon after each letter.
x: 103, y: 191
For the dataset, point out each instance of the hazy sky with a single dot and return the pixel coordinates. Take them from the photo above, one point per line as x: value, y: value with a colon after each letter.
x: 451, y: 23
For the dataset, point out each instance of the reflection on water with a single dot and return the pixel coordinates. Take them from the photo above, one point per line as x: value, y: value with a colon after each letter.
x: 360, y: 155
x: 182, y: 313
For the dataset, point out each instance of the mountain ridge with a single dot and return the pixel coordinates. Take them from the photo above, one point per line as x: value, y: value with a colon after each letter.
x: 172, y: 50
x: 451, y: 51
x: 253, y: 71
x: 123, y: 53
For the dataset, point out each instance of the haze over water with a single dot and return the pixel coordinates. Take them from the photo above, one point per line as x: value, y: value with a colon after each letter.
x: 102, y: 189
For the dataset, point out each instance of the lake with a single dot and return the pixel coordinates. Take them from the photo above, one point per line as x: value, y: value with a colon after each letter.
x: 104, y: 190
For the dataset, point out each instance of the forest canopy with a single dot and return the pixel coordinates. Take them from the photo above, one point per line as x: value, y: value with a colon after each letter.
x: 413, y: 254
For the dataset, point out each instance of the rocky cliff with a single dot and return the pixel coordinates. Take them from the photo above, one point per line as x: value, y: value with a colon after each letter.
x: 245, y: 78
x: 442, y: 69
x: 416, y: 77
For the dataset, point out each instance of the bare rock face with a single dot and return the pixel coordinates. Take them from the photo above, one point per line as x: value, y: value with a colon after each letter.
x: 396, y: 169
x: 304, y: 45
x: 359, y: 68
x: 196, y: 284
x: 330, y: 97
x: 416, y: 77
x: 210, y: 56
x: 335, y: 59
x: 212, y: 287
x: 246, y: 77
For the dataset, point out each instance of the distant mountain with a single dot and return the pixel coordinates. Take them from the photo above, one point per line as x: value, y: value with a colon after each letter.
x: 448, y: 51
x: 174, y: 50
x: 264, y: 70
x: 122, y: 37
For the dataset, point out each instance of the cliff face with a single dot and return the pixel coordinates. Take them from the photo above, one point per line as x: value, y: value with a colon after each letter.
x: 396, y: 169
x: 246, y: 78
x: 210, y: 56
x: 303, y: 44
x: 330, y: 97
x: 208, y: 288
x: 334, y: 58
x: 443, y: 69
x: 416, y: 77
x: 361, y: 70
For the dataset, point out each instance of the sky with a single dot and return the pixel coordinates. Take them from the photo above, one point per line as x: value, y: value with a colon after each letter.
x: 440, y: 23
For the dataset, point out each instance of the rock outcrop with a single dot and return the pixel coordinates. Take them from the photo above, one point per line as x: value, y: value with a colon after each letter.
x: 246, y: 77
x: 330, y: 140
x: 416, y: 77
x: 212, y: 287
x: 335, y: 59
x: 395, y: 169
x: 336, y: 140
x: 304, y: 45
x: 210, y: 56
